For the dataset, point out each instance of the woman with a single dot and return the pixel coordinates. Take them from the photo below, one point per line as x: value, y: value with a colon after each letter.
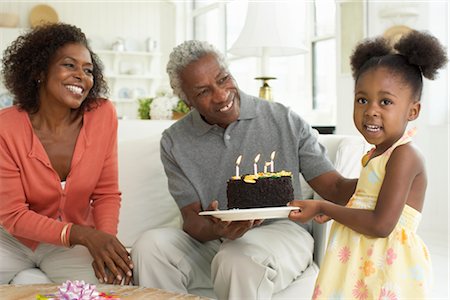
x: 58, y: 162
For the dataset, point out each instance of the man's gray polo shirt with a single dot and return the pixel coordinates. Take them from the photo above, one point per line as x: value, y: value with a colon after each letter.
x: 199, y: 158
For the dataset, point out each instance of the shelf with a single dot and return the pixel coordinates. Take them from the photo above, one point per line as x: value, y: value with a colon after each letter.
x: 399, y: 11
x: 125, y: 100
x: 127, y: 53
x: 132, y: 76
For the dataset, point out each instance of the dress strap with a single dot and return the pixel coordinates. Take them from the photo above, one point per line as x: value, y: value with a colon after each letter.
x: 406, y: 138
x: 366, y: 157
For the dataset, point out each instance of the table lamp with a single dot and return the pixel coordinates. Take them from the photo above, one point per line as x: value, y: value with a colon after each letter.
x: 266, y: 34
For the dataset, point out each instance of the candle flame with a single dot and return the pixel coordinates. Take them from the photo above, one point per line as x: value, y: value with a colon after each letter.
x: 268, y: 163
x: 257, y: 157
x: 272, y: 155
x: 238, y: 160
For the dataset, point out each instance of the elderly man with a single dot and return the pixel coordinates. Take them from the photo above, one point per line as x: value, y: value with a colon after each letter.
x: 241, y: 259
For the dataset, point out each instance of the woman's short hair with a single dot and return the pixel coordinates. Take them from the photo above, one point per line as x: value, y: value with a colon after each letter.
x: 183, y: 55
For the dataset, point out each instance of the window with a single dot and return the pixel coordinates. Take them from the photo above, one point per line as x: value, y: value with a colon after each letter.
x: 209, y: 23
x: 323, y: 48
x: 306, y: 83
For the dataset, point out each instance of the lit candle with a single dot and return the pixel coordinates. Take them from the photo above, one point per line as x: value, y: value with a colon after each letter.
x: 265, y: 166
x: 255, y: 166
x: 272, y: 156
x: 238, y: 162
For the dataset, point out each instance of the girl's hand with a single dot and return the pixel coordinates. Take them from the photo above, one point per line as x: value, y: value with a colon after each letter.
x: 321, y: 219
x: 112, y: 263
x: 308, y: 209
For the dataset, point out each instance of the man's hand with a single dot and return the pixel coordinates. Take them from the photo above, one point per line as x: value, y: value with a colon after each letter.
x: 230, y: 230
x: 207, y: 228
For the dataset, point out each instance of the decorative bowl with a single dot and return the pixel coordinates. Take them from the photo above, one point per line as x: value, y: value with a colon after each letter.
x: 9, y: 20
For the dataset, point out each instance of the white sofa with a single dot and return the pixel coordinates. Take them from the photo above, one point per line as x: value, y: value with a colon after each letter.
x: 146, y: 202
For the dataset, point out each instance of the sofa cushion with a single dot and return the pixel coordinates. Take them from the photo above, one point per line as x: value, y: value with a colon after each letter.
x: 348, y: 155
x: 146, y: 202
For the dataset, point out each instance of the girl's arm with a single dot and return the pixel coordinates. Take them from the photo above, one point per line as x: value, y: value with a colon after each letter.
x: 404, y: 183
x: 334, y: 187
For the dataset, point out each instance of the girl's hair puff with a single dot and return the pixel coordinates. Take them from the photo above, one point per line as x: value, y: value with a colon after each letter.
x: 423, y: 50
x: 415, y: 54
x: 366, y: 50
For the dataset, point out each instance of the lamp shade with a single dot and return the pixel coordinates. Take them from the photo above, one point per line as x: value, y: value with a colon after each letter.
x: 267, y: 32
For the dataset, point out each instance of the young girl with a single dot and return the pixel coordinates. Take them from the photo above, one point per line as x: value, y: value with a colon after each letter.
x: 374, y: 251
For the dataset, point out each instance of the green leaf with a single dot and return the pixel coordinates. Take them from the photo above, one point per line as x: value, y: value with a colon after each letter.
x: 144, y: 108
x: 181, y: 107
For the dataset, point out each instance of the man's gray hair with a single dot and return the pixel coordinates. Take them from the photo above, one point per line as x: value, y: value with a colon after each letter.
x: 183, y: 55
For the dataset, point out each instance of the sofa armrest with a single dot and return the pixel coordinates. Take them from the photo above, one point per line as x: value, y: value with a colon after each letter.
x: 345, y: 151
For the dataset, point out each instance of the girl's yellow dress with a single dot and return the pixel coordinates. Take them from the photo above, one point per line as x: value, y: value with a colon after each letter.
x: 358, y: 266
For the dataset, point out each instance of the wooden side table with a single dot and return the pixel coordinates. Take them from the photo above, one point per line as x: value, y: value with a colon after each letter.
x: 30, y: 291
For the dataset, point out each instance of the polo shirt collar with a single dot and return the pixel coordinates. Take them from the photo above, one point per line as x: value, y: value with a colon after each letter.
x: 247, y: 111
x: 248, y: 107
x: 199, y: 126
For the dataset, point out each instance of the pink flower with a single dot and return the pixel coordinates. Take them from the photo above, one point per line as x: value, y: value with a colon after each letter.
x: 317, y: 292
x: 387, y: 295
x: 360, y: 290
x: 344, y: 254
x: 390, y: 256
x: 78, y: 290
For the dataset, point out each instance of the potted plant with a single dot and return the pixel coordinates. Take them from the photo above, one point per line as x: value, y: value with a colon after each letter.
x: 163, y: 106
x: 180, y: 110
x: 144, y: 108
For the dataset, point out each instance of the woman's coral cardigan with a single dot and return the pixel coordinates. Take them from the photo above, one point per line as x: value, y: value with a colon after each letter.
x: 33, y: 206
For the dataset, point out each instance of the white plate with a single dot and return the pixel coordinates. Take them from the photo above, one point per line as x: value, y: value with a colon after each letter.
x: 250, y: 213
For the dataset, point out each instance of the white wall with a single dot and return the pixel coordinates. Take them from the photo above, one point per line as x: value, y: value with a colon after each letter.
x: 103, y: 22
x: 433, y: 123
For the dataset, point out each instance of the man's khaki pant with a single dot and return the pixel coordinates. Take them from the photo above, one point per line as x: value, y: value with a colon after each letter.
x: 262, y: 262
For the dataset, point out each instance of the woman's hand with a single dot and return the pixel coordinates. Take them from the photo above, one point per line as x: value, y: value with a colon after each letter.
x: 111, y: 279
x: 112, y: 262
x: 308, y: 209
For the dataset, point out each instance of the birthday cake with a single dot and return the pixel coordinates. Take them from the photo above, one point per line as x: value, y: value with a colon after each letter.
x: 266, y: 189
